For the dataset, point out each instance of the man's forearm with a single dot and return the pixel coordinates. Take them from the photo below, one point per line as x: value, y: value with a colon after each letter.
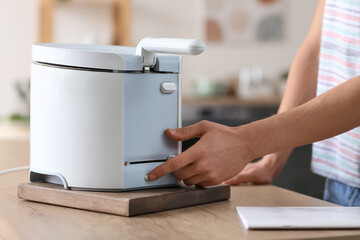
x: 334, y: 112
x: 301, y: 85
x: 327, y: 115
x: 300, y: 88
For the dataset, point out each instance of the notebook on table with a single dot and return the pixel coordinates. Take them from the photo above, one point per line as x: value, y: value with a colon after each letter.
x: 300, y: 217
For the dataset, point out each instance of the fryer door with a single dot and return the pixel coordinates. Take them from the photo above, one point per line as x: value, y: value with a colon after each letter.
x: 147, y: 114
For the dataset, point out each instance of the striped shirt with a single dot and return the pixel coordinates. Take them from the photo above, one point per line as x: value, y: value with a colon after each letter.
x: 338, y: 158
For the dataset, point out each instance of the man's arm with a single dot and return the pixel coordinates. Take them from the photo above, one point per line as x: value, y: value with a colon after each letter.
x: 222, y: 151
x: 228, y: 151
x: 300, y: 88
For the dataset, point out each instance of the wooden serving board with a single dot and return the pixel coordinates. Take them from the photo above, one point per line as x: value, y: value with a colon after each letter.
x: 128, y: 203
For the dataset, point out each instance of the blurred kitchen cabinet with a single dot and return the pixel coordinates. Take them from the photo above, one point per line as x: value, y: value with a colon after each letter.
x: 121, y: 10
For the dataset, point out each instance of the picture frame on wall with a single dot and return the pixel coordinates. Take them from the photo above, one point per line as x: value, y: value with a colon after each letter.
x: 234, y: 21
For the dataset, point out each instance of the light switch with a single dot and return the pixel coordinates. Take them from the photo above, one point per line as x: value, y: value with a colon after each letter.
x: 168, y: 87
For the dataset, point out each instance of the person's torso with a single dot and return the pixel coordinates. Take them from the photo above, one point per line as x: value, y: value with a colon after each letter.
x: 339, y: 157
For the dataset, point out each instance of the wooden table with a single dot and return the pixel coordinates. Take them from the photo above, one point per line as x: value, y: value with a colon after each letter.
x: 29, y: 220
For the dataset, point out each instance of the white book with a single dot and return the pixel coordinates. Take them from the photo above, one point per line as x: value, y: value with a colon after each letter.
x: 300, y: 217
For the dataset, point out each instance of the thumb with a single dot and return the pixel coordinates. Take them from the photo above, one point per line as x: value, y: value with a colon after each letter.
x: 185, y: 133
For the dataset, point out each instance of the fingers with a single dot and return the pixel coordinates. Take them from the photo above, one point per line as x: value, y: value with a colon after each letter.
x: 189, y: 171
x: 204, y: 184
x: 240, y: 178
x: 185, y: 133
x: 193, y: 180
x: 185, y: 172
x: 187, y: 157
x: 171, y: 165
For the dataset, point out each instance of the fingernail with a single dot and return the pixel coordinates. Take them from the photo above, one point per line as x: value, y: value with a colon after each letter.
x: 151, y: 177
x: 172, y: 131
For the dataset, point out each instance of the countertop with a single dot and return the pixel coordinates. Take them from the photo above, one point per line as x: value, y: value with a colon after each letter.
x: 30, y: 220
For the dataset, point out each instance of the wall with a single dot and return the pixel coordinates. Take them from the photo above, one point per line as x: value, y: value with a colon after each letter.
x: 273, y: 58
x: 18, y: 28
x: 158, y: 18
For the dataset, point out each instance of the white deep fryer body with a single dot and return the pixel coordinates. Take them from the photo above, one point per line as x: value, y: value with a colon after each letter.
x: 98, y: 119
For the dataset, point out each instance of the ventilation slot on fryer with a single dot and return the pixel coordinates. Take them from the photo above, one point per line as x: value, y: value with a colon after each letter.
x: 148, y: 161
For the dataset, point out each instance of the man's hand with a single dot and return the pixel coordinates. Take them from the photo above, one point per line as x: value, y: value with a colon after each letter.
x: 262, y: 171
x: 255, y: 173
x: 220, y: 154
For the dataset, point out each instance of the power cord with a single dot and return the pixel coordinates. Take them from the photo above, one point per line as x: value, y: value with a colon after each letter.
x: 10, y: 170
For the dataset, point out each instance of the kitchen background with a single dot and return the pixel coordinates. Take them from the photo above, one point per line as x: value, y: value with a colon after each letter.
x: 238, y: 79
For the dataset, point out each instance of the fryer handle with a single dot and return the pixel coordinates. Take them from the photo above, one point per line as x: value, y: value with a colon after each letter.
x: 149, y: 47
